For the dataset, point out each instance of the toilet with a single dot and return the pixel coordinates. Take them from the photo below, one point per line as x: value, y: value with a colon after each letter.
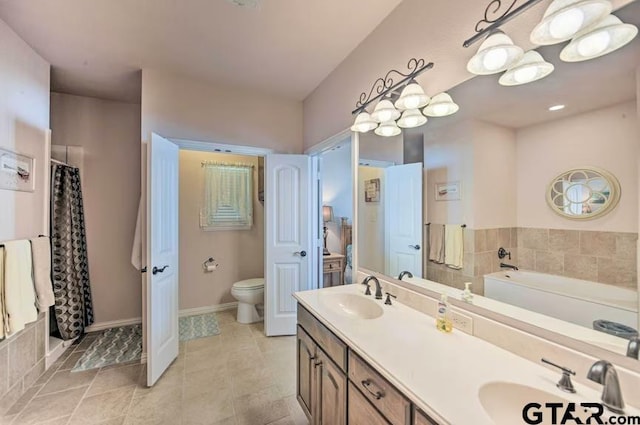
x: 248, y: 292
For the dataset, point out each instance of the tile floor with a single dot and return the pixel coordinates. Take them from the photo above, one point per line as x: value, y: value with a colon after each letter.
x: 239, y: 377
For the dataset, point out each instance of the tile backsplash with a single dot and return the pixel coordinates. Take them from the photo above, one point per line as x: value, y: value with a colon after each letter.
x: 605, y: 257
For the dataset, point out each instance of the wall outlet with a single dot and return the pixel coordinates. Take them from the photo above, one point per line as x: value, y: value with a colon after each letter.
x: 462, y: 322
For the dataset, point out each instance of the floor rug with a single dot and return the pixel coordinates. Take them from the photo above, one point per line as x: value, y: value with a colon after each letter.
x: 200, y: 326
x: 113, y: 346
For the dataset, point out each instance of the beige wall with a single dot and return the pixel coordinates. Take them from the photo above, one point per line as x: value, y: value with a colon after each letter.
x: 240, y: 253
x: 24, y: 120
x: 606, y: 138
x: 178, y: 107
x: 109, y: 133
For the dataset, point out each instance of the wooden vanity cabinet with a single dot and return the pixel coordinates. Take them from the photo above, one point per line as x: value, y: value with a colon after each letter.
x: 420, y: 418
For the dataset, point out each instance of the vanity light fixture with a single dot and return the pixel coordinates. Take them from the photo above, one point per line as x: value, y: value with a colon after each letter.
x: 496, y: 54
x: 556, y: 108
x: 530, y: 68
x: 563, y: 19
x: 441, y: 105
x: 606, y: 36
x: 407, y: 95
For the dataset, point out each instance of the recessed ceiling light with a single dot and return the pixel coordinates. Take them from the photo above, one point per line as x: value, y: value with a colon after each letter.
x: 556, y: 107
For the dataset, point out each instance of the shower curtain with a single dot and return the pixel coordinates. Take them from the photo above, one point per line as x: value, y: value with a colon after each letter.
x: 70, y: 265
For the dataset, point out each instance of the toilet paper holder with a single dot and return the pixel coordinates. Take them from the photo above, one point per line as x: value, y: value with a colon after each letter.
x: 209, y: 265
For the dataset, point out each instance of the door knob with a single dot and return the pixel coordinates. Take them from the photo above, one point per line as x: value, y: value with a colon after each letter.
x: 300, y: 253
x: 414, y: 246
x: 157, y: 270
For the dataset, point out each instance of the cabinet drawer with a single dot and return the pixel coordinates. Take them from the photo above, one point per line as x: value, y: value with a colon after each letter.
x: 393, y: 405
x: 420, y: 418
x: 331, y: 266
x: 361, y: 412
x: 330, y: 343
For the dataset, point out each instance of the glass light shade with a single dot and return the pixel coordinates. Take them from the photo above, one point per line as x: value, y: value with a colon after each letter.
x: 531, y: 67
x: 441, y: 105
x: 388, y: 129
x: 363, y: 123
x: 608, y: 35
x: 411, y: 118
x: 412, y: 97
x: 563, y: 19
x: 385, y: 111
x: 496, y: 54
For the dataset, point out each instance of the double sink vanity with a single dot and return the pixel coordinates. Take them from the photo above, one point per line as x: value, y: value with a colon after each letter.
x: 361, y: 361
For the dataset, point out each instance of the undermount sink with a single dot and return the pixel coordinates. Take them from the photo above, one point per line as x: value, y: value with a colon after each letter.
x: 353, y: 305
x: 504, y: 402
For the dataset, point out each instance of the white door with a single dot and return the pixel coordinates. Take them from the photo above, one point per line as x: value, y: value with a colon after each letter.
x: 162, y: 263
x: 289, y: 245
x: 403, y: 219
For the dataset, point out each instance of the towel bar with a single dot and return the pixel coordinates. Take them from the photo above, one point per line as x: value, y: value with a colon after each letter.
x: 462, y: 225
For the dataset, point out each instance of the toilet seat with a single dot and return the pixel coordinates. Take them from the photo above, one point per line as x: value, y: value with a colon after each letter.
x: 249, y: 284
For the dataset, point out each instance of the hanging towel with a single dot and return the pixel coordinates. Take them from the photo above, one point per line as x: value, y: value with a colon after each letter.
x: 453, y: 246
x: 20, y: 297
x: 436, y: 243
x: 136, y: 250
x: 41, y: 253
x: 3, y: 313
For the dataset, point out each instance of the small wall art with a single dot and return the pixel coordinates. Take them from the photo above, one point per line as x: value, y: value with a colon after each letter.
x: 449, y: 191
x: 16, y: 171
x: 372, y: 190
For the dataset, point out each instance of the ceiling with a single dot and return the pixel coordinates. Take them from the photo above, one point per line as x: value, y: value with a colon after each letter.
x: 582, y: 87
x: 285, y: 47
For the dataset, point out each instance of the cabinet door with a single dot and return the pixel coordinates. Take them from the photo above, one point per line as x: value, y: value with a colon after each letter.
x: 331, y: 401
x: 421, y: 419
x: 306, y: 352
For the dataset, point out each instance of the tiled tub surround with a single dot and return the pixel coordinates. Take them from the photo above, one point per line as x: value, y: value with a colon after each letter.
x: 22, y: 361
x: 605, y: 257
x: 435, y: 370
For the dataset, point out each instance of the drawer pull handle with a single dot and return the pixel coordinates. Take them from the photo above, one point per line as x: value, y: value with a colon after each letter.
x: 377, y: 395
x: 316, y: 364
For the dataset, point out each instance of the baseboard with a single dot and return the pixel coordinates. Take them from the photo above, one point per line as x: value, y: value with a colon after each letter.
x: 143, y: 358
x: 100, y: 326
x: 208, y: 309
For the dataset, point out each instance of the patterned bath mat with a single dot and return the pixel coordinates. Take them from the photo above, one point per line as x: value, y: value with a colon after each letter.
x: 113, y: 346
x: 200, y: 326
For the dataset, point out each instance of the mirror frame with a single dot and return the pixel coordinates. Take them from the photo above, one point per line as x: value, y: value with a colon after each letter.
x: 610, y: 204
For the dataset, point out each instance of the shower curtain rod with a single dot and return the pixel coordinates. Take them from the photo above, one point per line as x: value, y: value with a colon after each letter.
x: 227, y: 164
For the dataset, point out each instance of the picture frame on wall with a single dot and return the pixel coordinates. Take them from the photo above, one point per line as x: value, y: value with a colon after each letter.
x: 449, y: 191
x: 372, y: 190
x: 16, y: 171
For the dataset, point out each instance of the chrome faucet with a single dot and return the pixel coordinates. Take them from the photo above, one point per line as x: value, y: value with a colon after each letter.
x: 605, y: 374
x: 378, y: 287
x: 508, y: 266
x: 403, y: 274
x: 633, y: 350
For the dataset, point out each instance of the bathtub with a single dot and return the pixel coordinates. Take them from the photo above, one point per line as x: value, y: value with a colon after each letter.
x: 572, y: 300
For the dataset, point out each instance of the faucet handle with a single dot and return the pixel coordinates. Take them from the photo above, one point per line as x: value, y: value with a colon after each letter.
x: 368, y: 290
x: 388, y: 300
x: 565, y: 383
x: 633, y: 350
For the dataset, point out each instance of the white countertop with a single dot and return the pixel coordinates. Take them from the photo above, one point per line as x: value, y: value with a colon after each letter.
x: 441, y: 373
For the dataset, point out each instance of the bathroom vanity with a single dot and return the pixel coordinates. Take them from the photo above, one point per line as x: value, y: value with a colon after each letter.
x: 361, y: 362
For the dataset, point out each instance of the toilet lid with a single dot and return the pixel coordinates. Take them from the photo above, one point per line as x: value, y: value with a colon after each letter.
x: 256, y: 283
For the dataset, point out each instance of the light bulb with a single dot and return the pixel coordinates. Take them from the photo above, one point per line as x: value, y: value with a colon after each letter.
x: 495, y: 59
x: 525, y: 74
x: 594, y: 44
x: 566, y: 23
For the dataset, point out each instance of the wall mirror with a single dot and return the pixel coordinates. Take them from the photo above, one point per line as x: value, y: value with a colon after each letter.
x: 485, y: 173
x: 583, y: 193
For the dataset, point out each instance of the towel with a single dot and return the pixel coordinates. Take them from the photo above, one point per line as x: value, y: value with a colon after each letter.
x: 136, y: 249
x: 3, y: 314
x: 453, y: 246
x: 41, y: 253
x: 20, y: 297
x: 436, y: 243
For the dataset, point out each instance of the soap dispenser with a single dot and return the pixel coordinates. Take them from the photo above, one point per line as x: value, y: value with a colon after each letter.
x: 443, y: 321
x: 467, y: 295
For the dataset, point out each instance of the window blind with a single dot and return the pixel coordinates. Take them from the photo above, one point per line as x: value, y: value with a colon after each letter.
x: 228, y: 203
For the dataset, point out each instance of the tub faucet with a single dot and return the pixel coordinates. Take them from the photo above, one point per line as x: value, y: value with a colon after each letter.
x: 507, y: 266
x: 378, y: 287
x: 633, y: 350
x: 403, y: 274
x: 605, y: 374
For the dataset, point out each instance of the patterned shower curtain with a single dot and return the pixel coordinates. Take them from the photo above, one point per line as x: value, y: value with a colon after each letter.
x: 70, y: 268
